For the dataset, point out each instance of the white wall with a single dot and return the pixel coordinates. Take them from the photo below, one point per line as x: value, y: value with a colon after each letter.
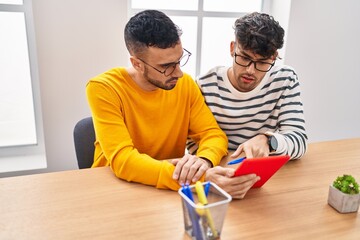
x: 280, y: 10
x: 77, y: 40
x: 323, y: 45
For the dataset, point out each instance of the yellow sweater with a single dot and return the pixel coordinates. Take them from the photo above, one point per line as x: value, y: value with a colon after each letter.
x: 136, y: 130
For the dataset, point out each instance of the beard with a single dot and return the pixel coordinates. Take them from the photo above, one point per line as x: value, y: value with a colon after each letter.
x: 167, y: 85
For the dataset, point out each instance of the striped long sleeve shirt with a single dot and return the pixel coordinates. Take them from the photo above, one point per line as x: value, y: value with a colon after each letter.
x: 273, y: 106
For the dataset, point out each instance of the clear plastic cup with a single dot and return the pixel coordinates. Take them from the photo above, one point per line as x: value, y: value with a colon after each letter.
x: 203, y: 222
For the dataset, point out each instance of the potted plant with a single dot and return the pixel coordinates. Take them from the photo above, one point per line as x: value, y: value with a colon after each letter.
x: 344, y: 194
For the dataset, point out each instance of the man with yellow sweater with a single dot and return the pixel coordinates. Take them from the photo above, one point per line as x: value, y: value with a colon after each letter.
x: 144, y: 113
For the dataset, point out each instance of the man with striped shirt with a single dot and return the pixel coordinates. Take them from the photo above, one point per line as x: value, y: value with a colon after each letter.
x: 255, y: 102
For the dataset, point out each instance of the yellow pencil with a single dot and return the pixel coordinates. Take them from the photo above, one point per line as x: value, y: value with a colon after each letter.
x: 203, y: 200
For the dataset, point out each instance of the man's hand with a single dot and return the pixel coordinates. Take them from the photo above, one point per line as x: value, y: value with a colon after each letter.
x: 237, y: 187
x: 255, y: 147
x: 189, y: 169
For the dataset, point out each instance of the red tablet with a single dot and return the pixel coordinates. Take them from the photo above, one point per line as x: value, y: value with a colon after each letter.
x: 264, y: 167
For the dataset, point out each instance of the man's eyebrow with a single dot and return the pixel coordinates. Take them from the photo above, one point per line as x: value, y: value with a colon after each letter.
x: 257, y: 60
x: 245, y: 54
x: 171, y: 63
x: 167, y: 64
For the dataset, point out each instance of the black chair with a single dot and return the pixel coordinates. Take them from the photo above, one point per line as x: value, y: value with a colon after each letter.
x: 84, y: 138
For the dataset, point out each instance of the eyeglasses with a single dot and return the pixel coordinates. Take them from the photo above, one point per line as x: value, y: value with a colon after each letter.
x: 259, y: 65
x: 170, y: 68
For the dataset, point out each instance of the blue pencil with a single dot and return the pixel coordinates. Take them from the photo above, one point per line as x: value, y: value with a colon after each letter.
x: 239, y: 160
x: 197, y: 233
x: 207, y: 188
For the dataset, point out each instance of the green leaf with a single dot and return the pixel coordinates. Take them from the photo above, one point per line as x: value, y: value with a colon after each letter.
x: 346, y: 184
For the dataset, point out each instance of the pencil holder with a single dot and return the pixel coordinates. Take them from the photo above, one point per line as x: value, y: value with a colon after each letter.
x: 204, y: 218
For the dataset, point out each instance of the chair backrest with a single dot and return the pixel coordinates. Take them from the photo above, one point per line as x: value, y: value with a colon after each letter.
x: 84, y: 139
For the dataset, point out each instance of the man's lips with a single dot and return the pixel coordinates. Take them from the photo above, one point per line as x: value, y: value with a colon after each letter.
x: 247, y: 79
x: 173, y: 80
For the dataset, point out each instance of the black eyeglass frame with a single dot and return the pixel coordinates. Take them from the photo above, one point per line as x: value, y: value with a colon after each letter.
x: 173, y: 65
x: 252, y: 61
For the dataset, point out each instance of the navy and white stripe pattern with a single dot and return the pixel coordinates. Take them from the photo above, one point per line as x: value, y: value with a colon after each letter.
x: 273, y: 106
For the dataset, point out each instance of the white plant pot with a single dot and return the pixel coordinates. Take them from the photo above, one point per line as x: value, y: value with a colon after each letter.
x: 343, y: 203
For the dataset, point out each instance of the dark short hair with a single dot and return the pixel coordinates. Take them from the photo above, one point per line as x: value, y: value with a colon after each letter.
x: 259, y: 33
x: 150, y: 28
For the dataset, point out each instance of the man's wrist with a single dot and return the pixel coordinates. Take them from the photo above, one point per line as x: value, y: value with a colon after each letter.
x: 208, y: 161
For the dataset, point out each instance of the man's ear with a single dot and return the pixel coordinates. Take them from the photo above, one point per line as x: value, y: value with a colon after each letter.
x: 276, y: 54
x: 136, y: 63
x: 232, y: 48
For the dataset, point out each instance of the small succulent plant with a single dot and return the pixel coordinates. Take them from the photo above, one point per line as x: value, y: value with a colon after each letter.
x: 346, y: 184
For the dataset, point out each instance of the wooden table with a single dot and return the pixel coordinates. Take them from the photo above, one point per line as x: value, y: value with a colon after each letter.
x: 94, y: 204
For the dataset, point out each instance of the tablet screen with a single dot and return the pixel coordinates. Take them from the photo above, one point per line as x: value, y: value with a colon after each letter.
x: 264, y: 167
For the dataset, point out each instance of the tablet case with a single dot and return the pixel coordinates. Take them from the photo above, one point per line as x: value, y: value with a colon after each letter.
x: 264, y: 167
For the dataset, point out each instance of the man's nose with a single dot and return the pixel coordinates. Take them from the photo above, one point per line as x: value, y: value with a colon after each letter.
x: 251, y: 68
x: 177, y: 72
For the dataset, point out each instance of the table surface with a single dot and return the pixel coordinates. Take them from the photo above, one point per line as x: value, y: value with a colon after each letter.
x: 94, y: 204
